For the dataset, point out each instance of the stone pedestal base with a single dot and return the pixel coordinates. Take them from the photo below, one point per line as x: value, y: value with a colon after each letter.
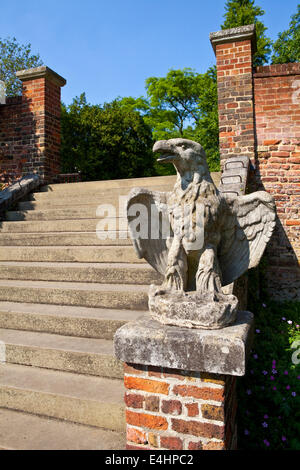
x: 191, y: 309
x: 180, y: 383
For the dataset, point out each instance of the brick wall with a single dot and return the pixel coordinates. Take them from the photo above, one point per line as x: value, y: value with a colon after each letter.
x: 259, y: 116
x: 179, y: 410
x: 30, y: 125
x: 12, y: 136
x: 277, y: 118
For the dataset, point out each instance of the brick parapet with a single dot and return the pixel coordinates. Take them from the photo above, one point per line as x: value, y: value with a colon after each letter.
x: 30, y: 126
x: 179, y: 410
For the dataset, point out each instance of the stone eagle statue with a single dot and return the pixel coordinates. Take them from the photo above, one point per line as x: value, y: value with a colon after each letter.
x: 198, y: 237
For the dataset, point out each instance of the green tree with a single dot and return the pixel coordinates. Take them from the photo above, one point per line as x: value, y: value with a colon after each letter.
x: 184, y: 104
x: 287, y: 47
x: 15, y: 57
x: 105, y: 142
x: 243, y: 12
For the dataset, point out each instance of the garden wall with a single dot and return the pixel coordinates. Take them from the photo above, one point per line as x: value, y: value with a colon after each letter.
x: 30, y: 125
x: 259, y: 116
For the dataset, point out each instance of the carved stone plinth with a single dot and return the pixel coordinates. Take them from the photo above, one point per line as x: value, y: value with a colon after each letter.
x: 192, y: 309
x: 180, y: 383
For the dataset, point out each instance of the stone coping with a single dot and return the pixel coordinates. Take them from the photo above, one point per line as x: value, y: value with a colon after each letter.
x: 241, y: 33
x: 18, y: 190
x: 223, y: 351
x: 41, y: 72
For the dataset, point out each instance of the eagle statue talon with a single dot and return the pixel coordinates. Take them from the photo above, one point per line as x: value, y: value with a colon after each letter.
x: 212, y: 238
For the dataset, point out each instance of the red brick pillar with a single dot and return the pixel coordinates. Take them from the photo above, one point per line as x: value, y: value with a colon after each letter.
x: 180, y: 383
x: 234, y: 50
x: 41, y: 108
x: 179, y: 410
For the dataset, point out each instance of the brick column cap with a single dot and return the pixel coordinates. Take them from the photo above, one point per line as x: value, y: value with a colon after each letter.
x: 241, y: 33
x: 41, y: 72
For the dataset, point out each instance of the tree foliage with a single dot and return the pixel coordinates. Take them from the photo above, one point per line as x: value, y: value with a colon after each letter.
x: 184, y: 104
x: 105, y: 142
x: 244, y: 12
x: 15, y: 57
x: 287, y: 47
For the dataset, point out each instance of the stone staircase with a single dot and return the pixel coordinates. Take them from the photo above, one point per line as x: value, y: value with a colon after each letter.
x: 63, y: 294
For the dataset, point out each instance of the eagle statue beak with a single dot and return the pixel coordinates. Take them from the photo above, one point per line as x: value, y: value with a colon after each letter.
x: 168, y: 153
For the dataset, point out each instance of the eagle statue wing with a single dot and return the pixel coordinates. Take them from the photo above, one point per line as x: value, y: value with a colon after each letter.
x: 248, y: 225
x: 149, y: 226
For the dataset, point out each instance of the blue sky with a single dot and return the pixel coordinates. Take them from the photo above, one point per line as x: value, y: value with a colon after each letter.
x: 108, y: 48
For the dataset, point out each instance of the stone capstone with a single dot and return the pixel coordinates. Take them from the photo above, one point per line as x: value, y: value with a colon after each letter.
x: 148, y: 342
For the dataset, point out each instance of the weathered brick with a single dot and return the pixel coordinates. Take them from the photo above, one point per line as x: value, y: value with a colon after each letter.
x: 152, y: 403
x: 134, y: 369
x: 214, y: 446
x: 192, y: 409
x: 171, y: 407
x: 171, y: 443
x: 205, y: 393
x: 133, y: 400
x: 154, y: 371
x: 131, y: 447
x: 137, y: 436
x: 147, y: 385
x: 145, y: 420
x: 212, y: 412
x: 195, y: 445
x: 198, y: 428
x: 213, y: 378
x: 153, y: 439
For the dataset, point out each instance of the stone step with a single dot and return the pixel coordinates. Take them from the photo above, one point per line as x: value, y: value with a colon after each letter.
x: 97, y: 189
x: 109, y: 273
x: 115, y: 296
x: 66, y: 203
x: 111, y: 184
x: 63, y: 225
x: 82, y: 399
x: 84, y: 322
x: 53, y: 434
x: 72, y: 202
x: 90, y: 195
x: 53, y: 214
x: 63, y: 239
x: 81, y: 254
x: 65, y: 213
x: 56, y: 352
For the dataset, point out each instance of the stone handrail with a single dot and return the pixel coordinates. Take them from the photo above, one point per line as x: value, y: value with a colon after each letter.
x: 18, y: 190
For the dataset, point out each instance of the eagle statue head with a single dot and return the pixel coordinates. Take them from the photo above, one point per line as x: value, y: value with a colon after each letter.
x: 185, y: 154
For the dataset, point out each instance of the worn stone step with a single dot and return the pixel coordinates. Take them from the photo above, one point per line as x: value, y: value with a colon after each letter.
x: 63, y: 239
x: 110, y: 184
x: 62, y: 225
x: 116, y: 296
x: 70, y: 354
x: 109, y: 273
x: 68, y: 203
x: 53, y: 214
x: 81, y: 254
x: 89, y: 400
x: 64, y: 213
x: 90, y: 195
x: 95, y: 189
x: 53, y: 434
x: 84, y: 322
